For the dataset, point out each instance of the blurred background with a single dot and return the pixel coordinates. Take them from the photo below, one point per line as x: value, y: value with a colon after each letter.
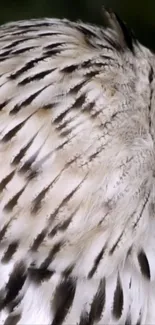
x: 139, y: 14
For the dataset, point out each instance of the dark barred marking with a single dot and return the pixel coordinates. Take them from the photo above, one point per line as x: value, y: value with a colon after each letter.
x: 78, y: 87
x: 114, y: 44
x: 118, y: 300
x: 98, y: 304
x: 5, y: 54
x: 19, y: 33
x: 65, y: 133
x: 63, y: 144
x: 151, y: 75
x: 2, y: 105
x: 12, y: 319
x: 84, y: 318
x: 95, y: 114
x: 13, y: 202
x: 96, y: 263
x: 107, y: 57
x: 2, y: 297
x: 32, y: 174
x: 50, y: 53
x: 96, y: 153
x: 144, y: 264
x: 27, y: 101
x: 61, y: 116
x: 90, y: 42
x: 40, y: 162
x: 37, y: 76
x: 15, y: 43
x: 24, y: 32
x: 92, y: 74
x: 29, y: 65
x: 3, y: 231
x: 143, y: 208
x: 8, y: 136
x: 27, y: 165
x: 14, y: 304
x: 34, y: 170
x: 37, y: 202
x: 88, y: 107
x: 65, y: 200
x: 38, y: 240
x: 130, y: 283
x: 116, y: 244
x: 53, y: 46
x: 90, y: 64
x: 139, y: 321
x: 87, y: 64
x: 67, y: 272
x: 15, y: 283
x: 38, y: 275
x: 56, y: 248
x: 62, y: 300
x: 79, y: 101
x: 36, y: 25
x: 49, y: 106
x: 6, y: 180
x: 86, y: 31
x: 64, y: 225
x: 23, y: 50
x: 2, y: 59
x: 10, y: 252
x: 49, y: 34
x: 23, y: 151
x: 64, y: 128
x: 102, y: 46
x: 69, y: 69
x: 128, y: 320
x: 151, y: 78
x: 60, y: 227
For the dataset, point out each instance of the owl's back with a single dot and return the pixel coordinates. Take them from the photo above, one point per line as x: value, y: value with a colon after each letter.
x: 76, y: 175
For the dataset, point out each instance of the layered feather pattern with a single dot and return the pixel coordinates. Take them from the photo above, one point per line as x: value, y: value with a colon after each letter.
x: 77, y: 175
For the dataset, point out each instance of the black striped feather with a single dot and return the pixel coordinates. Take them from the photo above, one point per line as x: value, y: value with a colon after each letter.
x: 76, y: 174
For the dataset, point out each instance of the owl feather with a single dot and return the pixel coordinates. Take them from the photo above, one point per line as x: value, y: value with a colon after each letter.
x: 77, y: 184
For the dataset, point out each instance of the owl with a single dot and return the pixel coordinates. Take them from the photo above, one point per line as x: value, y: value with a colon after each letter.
x: 77, y: 174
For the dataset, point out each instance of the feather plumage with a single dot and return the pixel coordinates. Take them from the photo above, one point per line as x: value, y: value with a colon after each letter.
x: 76, y: 174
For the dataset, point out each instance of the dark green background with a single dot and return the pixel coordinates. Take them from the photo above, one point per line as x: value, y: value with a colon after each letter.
x: 139, y: 14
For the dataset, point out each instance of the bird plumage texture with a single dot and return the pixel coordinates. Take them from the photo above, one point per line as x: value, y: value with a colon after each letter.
x: 77, y: 174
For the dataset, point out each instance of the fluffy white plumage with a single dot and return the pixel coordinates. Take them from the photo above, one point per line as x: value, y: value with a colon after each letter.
x: 77, y: 163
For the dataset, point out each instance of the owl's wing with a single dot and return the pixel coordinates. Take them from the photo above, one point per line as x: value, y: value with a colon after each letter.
x: 76, y: 175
